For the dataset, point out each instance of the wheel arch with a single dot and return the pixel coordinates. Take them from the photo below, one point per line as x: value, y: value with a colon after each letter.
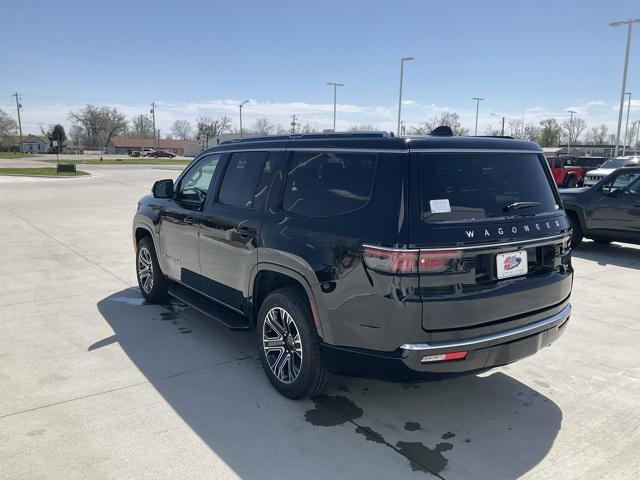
x: 267, y: 277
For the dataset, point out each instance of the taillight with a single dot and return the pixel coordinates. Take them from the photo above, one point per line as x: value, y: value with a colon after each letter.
x: 391, y: 261
x: 438, y: 261
x: 409, y: 261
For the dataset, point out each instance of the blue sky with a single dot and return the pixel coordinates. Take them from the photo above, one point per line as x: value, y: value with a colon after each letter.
x: 202, y: 58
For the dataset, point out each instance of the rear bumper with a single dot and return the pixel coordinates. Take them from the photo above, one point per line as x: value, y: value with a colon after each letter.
x: 484, y: 352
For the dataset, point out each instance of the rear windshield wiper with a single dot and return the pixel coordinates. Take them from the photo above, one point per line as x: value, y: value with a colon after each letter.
x: 519, y: 205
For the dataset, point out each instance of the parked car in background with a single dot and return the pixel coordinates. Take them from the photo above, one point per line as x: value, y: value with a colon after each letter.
x: 143, y: 152
x: 365, y: 253
x: 161, y: 153
x: 565, y: 172
x: 609, y: 211
x: 589, y: 163
x: 608, y: 167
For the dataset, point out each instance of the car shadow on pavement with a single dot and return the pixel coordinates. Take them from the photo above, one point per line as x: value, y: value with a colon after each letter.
x: 620, y: 255
x: 489, y: 426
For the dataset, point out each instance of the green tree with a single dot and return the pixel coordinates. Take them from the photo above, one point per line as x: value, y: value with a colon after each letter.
x: 551, y: 133
x: 57, y: 133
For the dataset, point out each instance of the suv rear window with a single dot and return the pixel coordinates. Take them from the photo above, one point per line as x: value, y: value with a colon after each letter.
x: 461, y: 186
x: 324, y: 184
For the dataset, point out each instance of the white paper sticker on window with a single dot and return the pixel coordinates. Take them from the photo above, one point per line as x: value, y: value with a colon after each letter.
x: 440, y: 206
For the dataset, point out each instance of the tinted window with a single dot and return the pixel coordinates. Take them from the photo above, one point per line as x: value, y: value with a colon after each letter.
x: 626, y: 182
x: 481, y: 185
x: 246, y: 180
x: 195, y: 183
x: 322, y: 184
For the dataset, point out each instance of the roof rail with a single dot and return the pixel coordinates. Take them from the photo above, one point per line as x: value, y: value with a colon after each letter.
x: 364, y: 134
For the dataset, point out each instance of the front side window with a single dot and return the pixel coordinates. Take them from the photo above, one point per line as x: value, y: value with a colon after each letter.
x: 625, y: 183
x: 246, y: 180
x: 196, y: 182
x: 324, y: 184
x: 473, y: 186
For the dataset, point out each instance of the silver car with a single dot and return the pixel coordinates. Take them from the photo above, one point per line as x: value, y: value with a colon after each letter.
x: 608, y: 167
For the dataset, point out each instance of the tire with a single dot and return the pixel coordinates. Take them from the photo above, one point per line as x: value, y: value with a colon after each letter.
x: 152, y: 282
x: 572, y: 182
x: 602, y: 241
x: 576, y: 235
x: 289, y: 345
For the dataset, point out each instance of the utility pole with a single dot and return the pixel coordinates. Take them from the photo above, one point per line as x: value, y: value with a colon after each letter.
x: 626, y: 127
x: 335, y: 86
x: 629, y: 24
x: 478, y: 100
x: 637, y: 122
x: 153, y: 113
x: 503, y: 117
x: 241, y: 105
x: 293, y: 125
x: 18, y: 107
x: 570, y: 131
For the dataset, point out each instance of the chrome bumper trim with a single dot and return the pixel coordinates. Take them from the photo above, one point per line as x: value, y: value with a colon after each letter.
x: 486, y: 340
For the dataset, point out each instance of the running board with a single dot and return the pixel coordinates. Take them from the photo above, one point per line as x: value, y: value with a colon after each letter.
x: 228, y: 318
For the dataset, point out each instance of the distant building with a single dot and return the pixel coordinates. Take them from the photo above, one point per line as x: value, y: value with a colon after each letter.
x: 30, y: 143
x: 126, y: 145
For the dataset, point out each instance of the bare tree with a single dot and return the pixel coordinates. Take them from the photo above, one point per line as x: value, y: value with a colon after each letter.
x: 182, y: 130
x: 7, y: 124
x: 141, y: 127
x: 363, y: 127
x: 573, y: 129
x: 280, y: 130
x: 262, y: 126
x: 449, y: 119
x: 598, y: 135
x: 208, y: 128
x: 99, y: 124
x: 493, y: 132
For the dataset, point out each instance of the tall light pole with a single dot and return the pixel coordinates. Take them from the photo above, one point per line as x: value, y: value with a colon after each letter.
x: 628, y: 23
x: 153, y: 113
x: 335, y: 86
x: 402, y: 60
x: 241, y: 105
x: 503, y: 117
x: 570, y: 131
x: 626, y: 127
x: 637, y: 123
x: 478, y: 100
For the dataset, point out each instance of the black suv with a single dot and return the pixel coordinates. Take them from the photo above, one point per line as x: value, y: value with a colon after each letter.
x: 608, y: 211
x: 365, y: 254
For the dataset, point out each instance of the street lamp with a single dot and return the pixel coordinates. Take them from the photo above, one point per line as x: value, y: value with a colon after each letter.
x: 628, y: 23
x: 402, y: 60
x: 626, y: 127
x: 496, y: 115
x: 478, y: 100
x: 335, y: 86
x: 570, y: 131
x: 241, y: 105
x: 637, y: 123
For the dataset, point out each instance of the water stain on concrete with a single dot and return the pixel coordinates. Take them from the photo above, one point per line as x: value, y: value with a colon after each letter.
x: 412, y: 426
x: 423, y: 458
x: 370, y: 434
x: 448, y: 435
x: 524, y: 399
x: 185, y: 331
x: 344, y: 388
x: 542, y: 384
x: 167, y: 316
x: 332, y: 410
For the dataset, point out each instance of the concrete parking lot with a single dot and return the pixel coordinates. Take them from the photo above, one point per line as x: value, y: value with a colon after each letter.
x: 94, y: 383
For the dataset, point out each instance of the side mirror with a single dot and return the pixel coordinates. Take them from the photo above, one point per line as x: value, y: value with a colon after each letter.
x: 163, y: 189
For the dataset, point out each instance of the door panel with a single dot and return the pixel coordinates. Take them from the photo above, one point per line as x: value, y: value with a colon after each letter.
x: 230, y: 227
x: 180, y: 221
x: 618, y: 208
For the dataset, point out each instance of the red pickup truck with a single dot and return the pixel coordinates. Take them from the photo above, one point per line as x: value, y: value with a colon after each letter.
x: 566, y: 173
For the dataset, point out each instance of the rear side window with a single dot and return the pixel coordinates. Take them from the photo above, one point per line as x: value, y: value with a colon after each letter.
x: 482, y: 185
x: 324, y: 184
x: 246, y: 180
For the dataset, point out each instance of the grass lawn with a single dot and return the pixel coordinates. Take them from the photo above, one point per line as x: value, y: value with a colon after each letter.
x: 40, y: 171
x: 15, y: 155
x: 124, y: 161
